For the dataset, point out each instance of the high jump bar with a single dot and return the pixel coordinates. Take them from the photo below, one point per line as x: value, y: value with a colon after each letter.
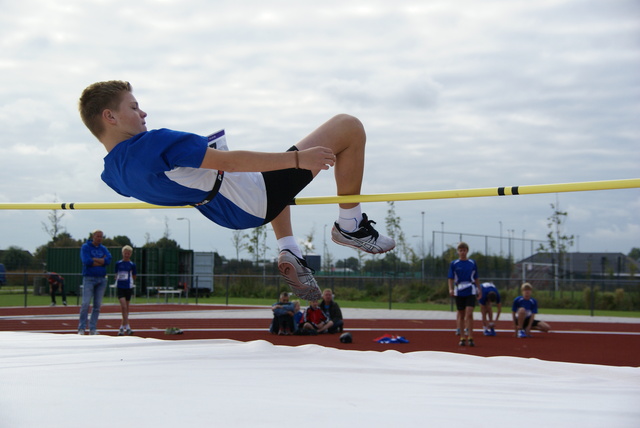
x: 584, y: 186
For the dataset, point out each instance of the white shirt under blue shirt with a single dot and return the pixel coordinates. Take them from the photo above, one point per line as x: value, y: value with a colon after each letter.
x: 125, y: 271
x: 464, y: 274
x: 162, y: 167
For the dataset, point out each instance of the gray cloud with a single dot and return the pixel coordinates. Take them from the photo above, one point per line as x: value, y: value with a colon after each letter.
x: 460, y: 95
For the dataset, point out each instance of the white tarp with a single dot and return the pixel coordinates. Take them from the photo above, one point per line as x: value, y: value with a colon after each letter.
x: 53, y: 380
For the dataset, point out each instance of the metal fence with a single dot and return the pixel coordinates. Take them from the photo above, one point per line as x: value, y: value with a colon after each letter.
x: 593, y: 294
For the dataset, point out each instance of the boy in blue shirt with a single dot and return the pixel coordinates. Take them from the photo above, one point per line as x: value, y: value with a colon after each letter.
x: 235, y: 189
x: 283, y: 313
x: 490, y: 295
x: 524, y: 312
x: 464, y: 285
x: 125, y: 276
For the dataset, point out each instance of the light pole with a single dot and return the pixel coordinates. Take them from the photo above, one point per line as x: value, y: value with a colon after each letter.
x: 323, y: 265
x: 189, y: 228
x: 422, y: 265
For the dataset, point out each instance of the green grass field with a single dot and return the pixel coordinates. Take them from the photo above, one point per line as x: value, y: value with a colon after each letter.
x: 13, y: 299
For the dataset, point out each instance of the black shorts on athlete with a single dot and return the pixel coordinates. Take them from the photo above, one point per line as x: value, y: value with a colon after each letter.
x: 463, y: 302
x: 527, y: 320
x: 282, y: 187
x: 124, y: 293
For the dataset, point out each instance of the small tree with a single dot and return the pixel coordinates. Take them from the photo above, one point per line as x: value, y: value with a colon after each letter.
x: 557, y: 243
x: 55, y: 228
x: 15, y: 258
x: 121, y: 241
x: 238, y: 241
x: 394, y: 229
x: 258, y: 242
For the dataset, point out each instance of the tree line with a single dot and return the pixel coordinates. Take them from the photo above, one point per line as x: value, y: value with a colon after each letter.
x: 403, y: 260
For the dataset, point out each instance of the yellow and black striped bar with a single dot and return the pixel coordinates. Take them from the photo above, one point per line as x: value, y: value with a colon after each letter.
x: 584, y: 186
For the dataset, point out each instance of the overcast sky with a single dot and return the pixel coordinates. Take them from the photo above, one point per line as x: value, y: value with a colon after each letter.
x: 453, y: 95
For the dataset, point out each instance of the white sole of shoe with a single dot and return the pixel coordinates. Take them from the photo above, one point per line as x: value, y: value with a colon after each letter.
x: 347, y: 241
x: 290, y: 274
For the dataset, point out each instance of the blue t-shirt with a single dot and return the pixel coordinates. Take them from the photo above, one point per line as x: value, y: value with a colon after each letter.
x: 88, y: 252
x: 148, y: 165
x: 162, y: 167
x: 530, y: 305
x: 488, y: 287
x: 125, y: 271
x: 464, y: 274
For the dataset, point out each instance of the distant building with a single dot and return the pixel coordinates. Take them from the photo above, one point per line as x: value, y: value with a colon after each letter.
x: 542, y: 266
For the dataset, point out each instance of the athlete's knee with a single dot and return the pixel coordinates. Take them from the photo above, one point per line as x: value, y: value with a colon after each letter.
x: 350, y: 123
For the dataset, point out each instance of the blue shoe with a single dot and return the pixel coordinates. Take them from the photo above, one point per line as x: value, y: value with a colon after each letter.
x: 522, y: 334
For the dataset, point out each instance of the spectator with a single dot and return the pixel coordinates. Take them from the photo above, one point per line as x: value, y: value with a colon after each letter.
x: 95, y: 259
x: 283, y: 312
x: 56, y: 282
x: 332, y: 309
x: 490, y: 295
x: 524, y: 311
x: 125, y: 276
x: 464, y: 285
x: 315, y: 319
x: 297, y: 316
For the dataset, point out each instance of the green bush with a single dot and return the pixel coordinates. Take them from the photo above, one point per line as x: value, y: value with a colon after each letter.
x: 415, y: 291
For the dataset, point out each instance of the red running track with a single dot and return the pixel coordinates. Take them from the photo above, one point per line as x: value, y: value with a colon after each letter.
x: 614, y: 344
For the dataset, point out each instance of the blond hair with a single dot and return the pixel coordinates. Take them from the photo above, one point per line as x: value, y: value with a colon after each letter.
x: 127, y: 248
x: 526, y: 286
x: 98, y: 97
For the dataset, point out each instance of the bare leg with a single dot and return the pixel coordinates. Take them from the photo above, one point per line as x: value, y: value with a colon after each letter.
x: 468, y: 321
x: 521, y: 315
x: 346, y: 137
x: 543, y: 326
x: 483, y: 311
x: 487, y: 315
x: 125, y: 311
x: 282, y: 224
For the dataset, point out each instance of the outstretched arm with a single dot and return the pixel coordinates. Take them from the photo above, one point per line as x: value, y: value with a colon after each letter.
x: 314, y: 158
